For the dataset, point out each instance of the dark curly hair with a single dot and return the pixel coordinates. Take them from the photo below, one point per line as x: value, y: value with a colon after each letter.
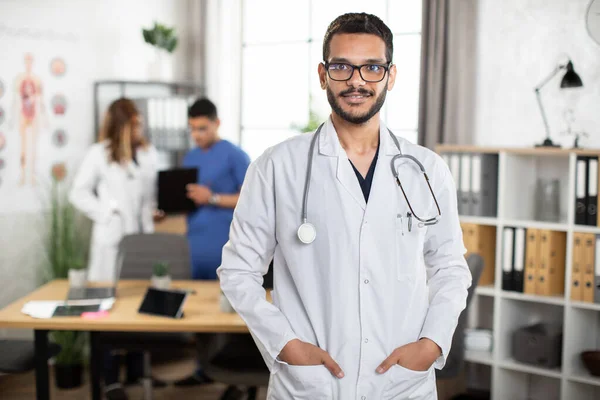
x: 359, y: 23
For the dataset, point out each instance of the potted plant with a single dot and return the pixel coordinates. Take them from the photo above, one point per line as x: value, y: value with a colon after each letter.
x: 67, y: 247
x: 164, y: 41
x: 68, y: 367
x: 160, y: 275
x: 77, y: 274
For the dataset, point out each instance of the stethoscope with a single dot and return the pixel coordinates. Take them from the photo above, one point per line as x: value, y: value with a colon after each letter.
x: 307, y: 231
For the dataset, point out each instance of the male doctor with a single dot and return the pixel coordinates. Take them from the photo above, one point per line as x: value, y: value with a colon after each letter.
x: 368, y: 309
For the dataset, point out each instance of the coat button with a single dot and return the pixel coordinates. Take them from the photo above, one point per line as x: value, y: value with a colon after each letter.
x: 366, y: 340
x: 366, y: 281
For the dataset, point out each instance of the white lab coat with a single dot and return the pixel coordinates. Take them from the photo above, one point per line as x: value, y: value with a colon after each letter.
x: 118, y: 199
x: 365, y: 286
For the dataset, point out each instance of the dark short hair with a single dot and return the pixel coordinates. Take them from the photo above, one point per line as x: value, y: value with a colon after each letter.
x: 359, y: 23
x: 203, y: 108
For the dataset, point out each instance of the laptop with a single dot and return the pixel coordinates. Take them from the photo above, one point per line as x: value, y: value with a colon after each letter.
x: 172, y: 192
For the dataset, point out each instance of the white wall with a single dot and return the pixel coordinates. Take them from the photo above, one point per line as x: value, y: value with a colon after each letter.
x: 99, y: 40
x: 519, y: 44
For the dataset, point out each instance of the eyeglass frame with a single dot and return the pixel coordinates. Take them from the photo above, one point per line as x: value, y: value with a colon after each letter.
x: 354, y: 67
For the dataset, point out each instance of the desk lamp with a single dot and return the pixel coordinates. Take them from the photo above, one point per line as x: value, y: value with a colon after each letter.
x: 569, y: 80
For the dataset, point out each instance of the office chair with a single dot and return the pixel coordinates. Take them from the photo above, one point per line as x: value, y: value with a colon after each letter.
x: 137, y: 255
x: 455, y: 360
x: 18, y: 356
x: 233, y: 358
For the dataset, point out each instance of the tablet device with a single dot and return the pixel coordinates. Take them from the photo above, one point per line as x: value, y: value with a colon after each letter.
x: 165, y: 303
x: 74, y: 310
x: 172, y: 192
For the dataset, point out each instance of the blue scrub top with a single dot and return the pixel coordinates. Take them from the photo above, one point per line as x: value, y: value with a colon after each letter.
x: 222, y: 168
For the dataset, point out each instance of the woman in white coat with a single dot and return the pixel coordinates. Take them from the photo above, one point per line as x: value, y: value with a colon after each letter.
x: 115, y: 187
x: 366, y: 308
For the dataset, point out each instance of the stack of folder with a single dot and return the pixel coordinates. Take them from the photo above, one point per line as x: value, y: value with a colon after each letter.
x: 481, y: 239
x: 476, y: 179
x: 533, y: 261
x: 585, y: 274
x: 586, y: 191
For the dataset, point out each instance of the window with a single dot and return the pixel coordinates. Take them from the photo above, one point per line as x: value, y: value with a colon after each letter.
x: 290, y: 34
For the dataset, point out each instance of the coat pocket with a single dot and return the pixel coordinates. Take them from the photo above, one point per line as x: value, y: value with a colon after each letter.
x: 301, y: 382
x: 409, y: 248
x: 407, y: 384
x: 111, y: 231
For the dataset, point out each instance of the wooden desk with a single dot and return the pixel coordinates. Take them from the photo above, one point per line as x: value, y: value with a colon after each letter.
x: 201, y: 314
x: 201, y: 311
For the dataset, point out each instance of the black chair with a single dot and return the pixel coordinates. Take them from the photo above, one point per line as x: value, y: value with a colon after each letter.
x: 18, y: 356
x: 234, y: 359
x: 137, y: 254
x: 455, y: 360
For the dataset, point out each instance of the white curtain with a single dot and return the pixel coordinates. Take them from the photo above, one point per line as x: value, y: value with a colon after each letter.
x: 223, y: 62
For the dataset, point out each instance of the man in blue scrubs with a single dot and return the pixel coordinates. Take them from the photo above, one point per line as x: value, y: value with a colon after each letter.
x: 221, y: 170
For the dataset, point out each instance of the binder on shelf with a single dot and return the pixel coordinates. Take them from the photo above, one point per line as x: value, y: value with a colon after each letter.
x: 455, y: 170
x: 507, y: 258
x: 581, y: 181
x: 592, y: 192
x: 576, y: 271
x: 464, y: 191
x: 484, y: 185
x: 531, y: 260
x: 551, y: 269
x: 587, y: 287
x: 481, y: 239
x: 519, y: 263
x: 597, y: 271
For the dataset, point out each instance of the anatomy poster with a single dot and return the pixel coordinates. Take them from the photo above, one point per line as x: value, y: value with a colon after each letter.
x: 39, y: 89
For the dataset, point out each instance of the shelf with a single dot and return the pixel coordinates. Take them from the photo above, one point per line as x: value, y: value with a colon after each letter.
x: 555, y: 300
x: 532, y: 151
x: 479, y: 357
x: 471, y: 219
x: 588, y: 379
x: 584, y: 305
x: 487, y: 290
x: 517, y: 366
x: 586, y: 229
x: 552, y: 226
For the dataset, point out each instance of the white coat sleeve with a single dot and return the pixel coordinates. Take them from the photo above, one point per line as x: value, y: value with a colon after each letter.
x: 246, y: 258
x: 82, y: 194
x: 149, y: 202
x: 448, y: 274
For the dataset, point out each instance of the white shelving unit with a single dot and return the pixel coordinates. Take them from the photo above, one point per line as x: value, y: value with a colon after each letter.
x: 504, y: 311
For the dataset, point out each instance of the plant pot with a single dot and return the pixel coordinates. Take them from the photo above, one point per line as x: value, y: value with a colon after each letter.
x: 161, y: 282
x: 225, y: 305
x: 68, y: 376
x: 161, y: 67
x: 77, y: 278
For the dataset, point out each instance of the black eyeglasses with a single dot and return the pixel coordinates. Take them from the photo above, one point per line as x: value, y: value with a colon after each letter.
x: 368, y: 72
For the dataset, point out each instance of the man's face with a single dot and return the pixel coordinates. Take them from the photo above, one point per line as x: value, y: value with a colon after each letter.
x: 204, y: 131
x: 356, y: 100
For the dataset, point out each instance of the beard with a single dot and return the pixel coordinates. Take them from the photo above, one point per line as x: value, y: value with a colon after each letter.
x: 353, y: 118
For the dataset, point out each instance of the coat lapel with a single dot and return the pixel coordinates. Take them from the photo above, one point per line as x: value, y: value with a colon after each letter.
x: 329, y: 145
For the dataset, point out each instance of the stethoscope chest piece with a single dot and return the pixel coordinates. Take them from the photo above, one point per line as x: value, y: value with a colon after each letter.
x: 307, y: 233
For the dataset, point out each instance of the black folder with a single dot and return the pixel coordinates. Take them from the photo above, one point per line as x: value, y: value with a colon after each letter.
x: 172, y: 192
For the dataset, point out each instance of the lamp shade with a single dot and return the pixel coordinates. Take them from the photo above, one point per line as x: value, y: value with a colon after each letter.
x: 571, y: 79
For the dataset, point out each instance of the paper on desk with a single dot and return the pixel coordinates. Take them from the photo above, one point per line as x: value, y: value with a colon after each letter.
x: 45, y: 309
